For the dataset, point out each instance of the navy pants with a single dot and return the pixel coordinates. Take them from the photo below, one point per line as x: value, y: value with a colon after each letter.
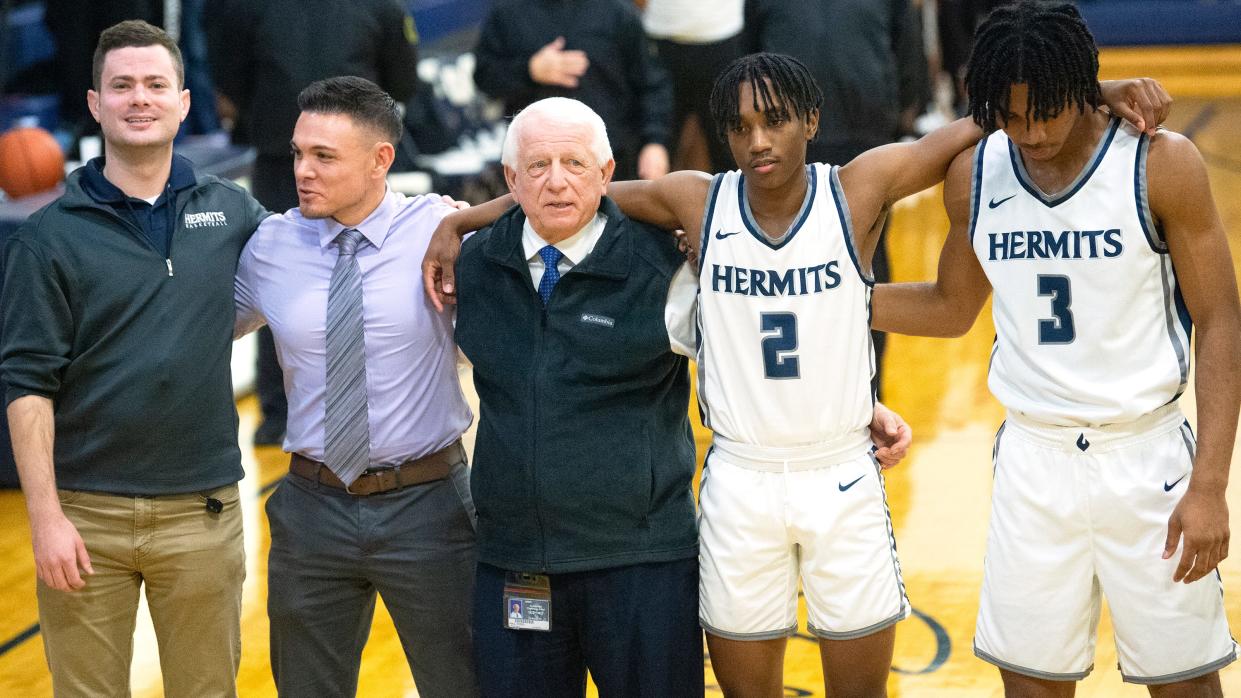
x: 635, y: 628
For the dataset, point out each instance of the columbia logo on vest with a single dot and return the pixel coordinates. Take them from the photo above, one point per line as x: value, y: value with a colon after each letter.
x: 598, y: 320
x: 213, y: 219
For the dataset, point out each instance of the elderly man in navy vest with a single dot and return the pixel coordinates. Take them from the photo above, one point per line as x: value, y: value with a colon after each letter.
x: 584, y: 457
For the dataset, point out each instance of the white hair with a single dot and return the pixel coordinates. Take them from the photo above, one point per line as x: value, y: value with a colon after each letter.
x: 564, y: 112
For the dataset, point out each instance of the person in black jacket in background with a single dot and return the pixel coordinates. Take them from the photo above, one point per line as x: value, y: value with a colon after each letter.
x: 594, y: 51
x: 262, y: 55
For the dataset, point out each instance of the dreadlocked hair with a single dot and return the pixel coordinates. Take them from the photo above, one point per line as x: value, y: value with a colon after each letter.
x: 1043, y: 45
x: 780, y: 84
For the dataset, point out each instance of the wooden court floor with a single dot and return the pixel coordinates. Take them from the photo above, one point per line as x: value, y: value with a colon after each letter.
x: 939, y: 499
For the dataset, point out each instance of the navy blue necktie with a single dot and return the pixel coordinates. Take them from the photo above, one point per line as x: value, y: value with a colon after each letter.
x: 551, y: 274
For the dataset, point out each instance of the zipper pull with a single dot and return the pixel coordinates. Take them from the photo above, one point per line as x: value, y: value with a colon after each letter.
x: 168, y: 261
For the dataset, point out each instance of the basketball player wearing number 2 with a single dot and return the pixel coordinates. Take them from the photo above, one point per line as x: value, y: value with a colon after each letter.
x: 1104, y: 248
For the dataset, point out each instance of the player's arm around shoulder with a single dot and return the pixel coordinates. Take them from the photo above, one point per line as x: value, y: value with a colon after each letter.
x: 880, y: 177
x: 674, y: 201
x: 1184, y: 210
x: 438, y: 277
x: 948, y: 306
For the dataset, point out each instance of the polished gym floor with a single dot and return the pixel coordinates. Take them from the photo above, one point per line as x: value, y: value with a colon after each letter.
x: 939, y: 496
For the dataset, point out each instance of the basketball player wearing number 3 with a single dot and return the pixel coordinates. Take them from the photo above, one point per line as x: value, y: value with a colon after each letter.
x: 1102, y: 245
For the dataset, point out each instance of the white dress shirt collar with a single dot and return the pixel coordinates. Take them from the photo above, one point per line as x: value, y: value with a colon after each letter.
x: 574, y: 248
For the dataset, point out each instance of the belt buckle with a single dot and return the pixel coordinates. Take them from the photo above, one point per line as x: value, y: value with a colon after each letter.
x: 350, y: 491
x: 349, y: 487
x: 380, y: 486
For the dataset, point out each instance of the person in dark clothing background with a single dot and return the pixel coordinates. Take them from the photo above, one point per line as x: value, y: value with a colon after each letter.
x: 262, y: 55
x: 867, y: 58
x: 957, y: 21
x: 193, y: 40
x: 594, y: 51
x: 696, y: 41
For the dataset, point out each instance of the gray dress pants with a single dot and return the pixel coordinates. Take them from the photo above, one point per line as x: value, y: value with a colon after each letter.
x: 331, y: 552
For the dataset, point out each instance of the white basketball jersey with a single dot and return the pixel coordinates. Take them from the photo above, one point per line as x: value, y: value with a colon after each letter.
x: 784, y: 354
x: 1090, y: 325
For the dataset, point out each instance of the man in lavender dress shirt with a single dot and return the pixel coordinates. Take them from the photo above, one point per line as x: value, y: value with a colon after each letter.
x: 392, y: 515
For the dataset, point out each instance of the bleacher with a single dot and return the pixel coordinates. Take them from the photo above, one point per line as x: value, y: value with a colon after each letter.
x: 1163, y: 22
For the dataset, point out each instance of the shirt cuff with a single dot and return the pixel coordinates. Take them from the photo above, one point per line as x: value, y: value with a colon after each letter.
x: 680, y: 311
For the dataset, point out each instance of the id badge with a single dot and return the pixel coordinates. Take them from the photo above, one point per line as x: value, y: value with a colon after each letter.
x: 527, y: 601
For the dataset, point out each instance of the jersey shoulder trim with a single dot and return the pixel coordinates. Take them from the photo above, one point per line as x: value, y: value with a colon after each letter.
x: 980, y: 152
x: 846, y: 224
x: 708, y: 215
x: 1175, y: 312
x: 1154, y: 237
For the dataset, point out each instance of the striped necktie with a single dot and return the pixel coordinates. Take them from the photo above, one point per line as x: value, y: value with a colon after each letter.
x: 347, y: 440
x: 551, y: 272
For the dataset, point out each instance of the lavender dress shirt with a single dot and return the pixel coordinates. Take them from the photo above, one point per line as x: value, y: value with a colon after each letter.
x: 414, y: 396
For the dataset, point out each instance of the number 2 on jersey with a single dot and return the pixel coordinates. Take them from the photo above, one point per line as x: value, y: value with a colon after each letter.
x: 1059, y: 330
x: 777, y: 361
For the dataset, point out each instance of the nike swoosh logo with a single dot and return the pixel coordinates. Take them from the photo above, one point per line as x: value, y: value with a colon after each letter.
x: 720, y: 235
x: 995, y: 204
x: 844, y: 487
x: 1168, y: 488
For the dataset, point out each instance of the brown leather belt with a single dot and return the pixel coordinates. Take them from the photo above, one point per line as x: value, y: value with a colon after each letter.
x: 429, y: 468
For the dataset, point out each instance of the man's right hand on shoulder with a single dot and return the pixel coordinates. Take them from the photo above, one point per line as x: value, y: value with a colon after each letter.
x: 60, y: 556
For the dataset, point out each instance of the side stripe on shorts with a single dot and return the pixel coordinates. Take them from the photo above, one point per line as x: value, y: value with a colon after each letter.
x: 1188, y: 435
x: 903, y: 602
x: 995, y: 448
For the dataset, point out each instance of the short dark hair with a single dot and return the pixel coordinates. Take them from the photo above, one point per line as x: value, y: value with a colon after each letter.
x: 134, y: 33
x: 1043, y: 45
x: 792, y: 89
x: 359, y: 99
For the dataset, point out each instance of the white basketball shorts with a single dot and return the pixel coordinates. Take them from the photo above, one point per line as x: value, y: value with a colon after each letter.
x: 1078, y: 514
x: 771, y: 516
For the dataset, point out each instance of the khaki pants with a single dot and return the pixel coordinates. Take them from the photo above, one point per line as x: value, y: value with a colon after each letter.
x: 192, y: 563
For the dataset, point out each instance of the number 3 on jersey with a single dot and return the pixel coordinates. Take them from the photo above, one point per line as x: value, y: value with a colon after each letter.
x: 781, y: 331
x: 1059, y: 330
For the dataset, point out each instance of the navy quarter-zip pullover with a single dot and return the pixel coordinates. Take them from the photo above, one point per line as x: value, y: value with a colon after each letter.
x: 134, y: 356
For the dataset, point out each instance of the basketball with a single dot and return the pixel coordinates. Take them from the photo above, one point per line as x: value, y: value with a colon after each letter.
x: 30, y: 162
